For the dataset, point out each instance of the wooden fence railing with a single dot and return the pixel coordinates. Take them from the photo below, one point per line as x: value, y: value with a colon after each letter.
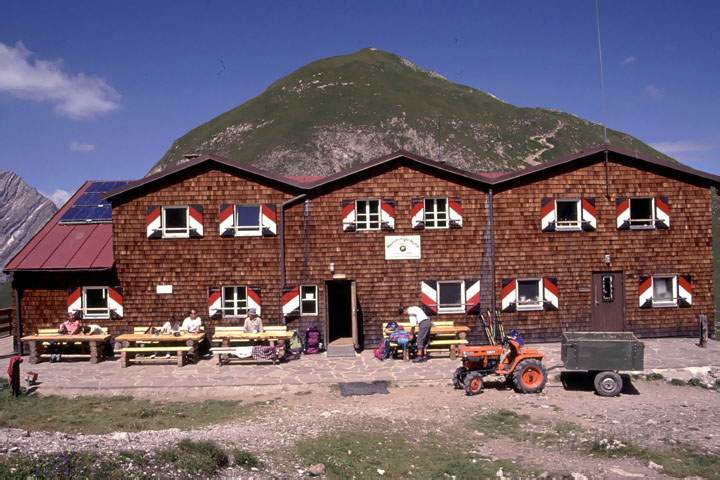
x: 5, y: 328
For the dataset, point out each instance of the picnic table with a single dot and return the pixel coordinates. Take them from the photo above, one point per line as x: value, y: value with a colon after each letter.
x: 444, y: 336
x: 158, y: 343
x: 274, y: 336
x: 37, y: 344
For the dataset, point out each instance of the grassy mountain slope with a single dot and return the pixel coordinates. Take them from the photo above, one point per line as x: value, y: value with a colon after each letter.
x: 336, y: 112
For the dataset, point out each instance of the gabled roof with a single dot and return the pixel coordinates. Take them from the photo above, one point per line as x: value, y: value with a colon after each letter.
x: 67, y: 246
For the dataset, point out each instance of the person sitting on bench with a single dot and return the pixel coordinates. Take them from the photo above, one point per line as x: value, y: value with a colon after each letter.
x: 170, y: 328
x: 71, y: 326
x: 253, y: 323
x: 192, y: 323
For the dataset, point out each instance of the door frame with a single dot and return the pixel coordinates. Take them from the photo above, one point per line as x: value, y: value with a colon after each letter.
x: 353, y: 310
x: 623, y: 306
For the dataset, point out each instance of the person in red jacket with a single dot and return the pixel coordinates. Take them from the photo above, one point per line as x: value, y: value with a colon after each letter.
x: 13, y: 372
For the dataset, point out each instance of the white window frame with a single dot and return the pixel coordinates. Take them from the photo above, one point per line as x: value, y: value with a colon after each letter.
x: 575, y: 226
x: 99, y: 313
x: 455, y: 308
x: 434, y: 212
x: 666, y: 303
x: 364, y: 225
x: 652, y: 213
x: 304, y: 313
x: 534, y: 306
x: 247, y: 231
x: 177, y: 233
x: 236, y: 308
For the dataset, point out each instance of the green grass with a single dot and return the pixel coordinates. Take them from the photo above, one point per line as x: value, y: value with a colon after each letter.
x: 678, y: 382
x: 361, y: 455
x: 5, y: 295
x: 186, y: 460
x: 243, y: 458
x: 506, y: 423
x: 96, y: 415
x: 680, y: 461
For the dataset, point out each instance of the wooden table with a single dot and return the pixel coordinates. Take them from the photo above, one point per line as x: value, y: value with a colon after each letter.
x: 271, y: 337
x: 190, y: 339
x: 35, y: 343
x: 460, y: 330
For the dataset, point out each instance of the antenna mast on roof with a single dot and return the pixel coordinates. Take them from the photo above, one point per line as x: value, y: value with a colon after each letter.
x: 602, y: 97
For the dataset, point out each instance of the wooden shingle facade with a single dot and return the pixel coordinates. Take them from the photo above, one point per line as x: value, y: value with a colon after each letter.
x: 562, y: 246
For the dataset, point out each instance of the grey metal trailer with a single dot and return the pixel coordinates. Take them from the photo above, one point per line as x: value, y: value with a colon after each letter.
x: 603, y: 354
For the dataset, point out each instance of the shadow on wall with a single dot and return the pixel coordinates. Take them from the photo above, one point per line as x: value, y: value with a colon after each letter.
x: 5, y: 295
x: 716, y: 255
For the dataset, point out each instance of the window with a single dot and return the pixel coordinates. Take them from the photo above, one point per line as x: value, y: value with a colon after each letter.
x: 436, y: 213
x: 664, y: 291
x: 95, y: 302
x: 451, y: 297
x: 367, y: 216
x: 642, y: 213
x: 175, y: 222
x: 568, y: 215
x: 234, y: 301
x: 608, y: 288
x: 529, y: 294
x: 247, y: 220
x: 308, y: 300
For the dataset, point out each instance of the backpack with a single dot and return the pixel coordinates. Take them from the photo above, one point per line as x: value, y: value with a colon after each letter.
x: 312, y: 341
x: 295, y: 348
x: 379, y: 352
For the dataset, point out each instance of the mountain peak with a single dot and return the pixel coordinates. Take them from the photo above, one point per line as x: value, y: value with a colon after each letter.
x: 343, y: 110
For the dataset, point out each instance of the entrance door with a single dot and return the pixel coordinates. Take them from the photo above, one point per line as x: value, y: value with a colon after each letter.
x: 341, y: 313
x: 608, y: 297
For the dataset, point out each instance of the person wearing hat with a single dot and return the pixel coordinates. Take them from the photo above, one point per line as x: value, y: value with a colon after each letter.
x: 253, y: 323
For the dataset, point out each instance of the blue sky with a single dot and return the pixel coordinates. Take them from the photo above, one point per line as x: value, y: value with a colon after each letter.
x: 95, y: 89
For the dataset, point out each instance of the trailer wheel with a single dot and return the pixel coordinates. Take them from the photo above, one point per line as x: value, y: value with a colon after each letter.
x: 459, y: 378
x: 473, y: 384
x: 530, y: 376
x: 608, y: 384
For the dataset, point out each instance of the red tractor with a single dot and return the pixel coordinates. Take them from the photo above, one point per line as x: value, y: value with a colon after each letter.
x: 520, y: 365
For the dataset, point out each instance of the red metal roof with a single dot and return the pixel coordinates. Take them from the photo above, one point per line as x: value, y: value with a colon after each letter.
x: 67, y: 247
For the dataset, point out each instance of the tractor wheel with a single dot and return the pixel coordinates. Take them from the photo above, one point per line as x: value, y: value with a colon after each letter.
x: 608, y: 384
x: 459, y: 378
x: 473, y: 384
x: 530, y: 376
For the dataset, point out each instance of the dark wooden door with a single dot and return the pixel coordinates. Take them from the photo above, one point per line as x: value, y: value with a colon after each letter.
x: 608, y: 302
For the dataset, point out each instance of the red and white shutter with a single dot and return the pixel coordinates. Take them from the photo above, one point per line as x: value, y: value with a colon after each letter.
x: 508, y: 295
x: 547, y: 214
x: 551, y: 293
x: 348, y: 216
x: 645, y: 292
x: 74, y: 302
x: 685, y: 291
x: 418, y: 213
x: 196, y: 220
x: 269, y: 220
x: 428, y: 292
x: 115, y: 302
x: 387, y: 214
x: 589, y: 214
x: 472, y: 296
x: 662, y: 212
x: 153, y: 221
x: 254, y: 298
x: 622, y: 212
x: 291, y: 302
x: 455, y: 211
x: 215, y: 302
x: 227, y: 220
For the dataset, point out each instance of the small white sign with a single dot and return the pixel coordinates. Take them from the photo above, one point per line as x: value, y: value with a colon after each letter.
x: 163, y: 289
x: 402, y: 247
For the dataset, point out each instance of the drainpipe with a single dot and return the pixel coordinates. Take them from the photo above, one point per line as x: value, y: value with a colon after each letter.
x: 283, y: 207
x: 18, y: 319
x: 491, y: 214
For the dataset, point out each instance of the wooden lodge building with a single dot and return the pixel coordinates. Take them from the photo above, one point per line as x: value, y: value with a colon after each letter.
x: 603, y: 240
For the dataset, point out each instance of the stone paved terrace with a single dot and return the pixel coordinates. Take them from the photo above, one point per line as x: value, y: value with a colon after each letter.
x: 206, y: 378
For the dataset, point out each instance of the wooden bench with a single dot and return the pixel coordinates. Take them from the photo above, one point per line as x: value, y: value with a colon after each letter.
x: 445, y: 336
x: 129, y: 354
x: 42, y: 340
x: 226, y: 338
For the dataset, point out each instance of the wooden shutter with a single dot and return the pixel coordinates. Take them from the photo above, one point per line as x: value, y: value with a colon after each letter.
x: 227, y: 220
x: 685, y: 291
x: 622, y: 213
x: 74, y: 301
x: 153, y: 221
x: 387, y: 214
x: 547, y: 214
x: 254, y: 298
x: 455, y: 212
x: 215, y: 302
x: 348, y: 215
x: 115, y: 302
x: 589, y: 214
x: 269, y: 220
x: 508, y: 295
x: 472, y: 296
x: 291, y: 302
x: 196, y: 221
x: 417, y: 213
x: 645, y: 292
x: 551, y: 293
x: 662, y: 212
x: 428, y: 292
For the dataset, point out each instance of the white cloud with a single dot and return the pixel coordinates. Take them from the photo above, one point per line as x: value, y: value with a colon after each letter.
x: 629, y: 60
x: 58, y: 197
x: 681, y: 147
x: 81, y: 147
x: 653, y: 92
x: 77, y: 96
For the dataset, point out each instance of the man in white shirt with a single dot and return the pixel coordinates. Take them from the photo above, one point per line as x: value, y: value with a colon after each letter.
x: 418, y: 319
x: 192, y: 323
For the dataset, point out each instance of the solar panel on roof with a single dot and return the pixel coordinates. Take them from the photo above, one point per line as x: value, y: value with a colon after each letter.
x: 91, y: 207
